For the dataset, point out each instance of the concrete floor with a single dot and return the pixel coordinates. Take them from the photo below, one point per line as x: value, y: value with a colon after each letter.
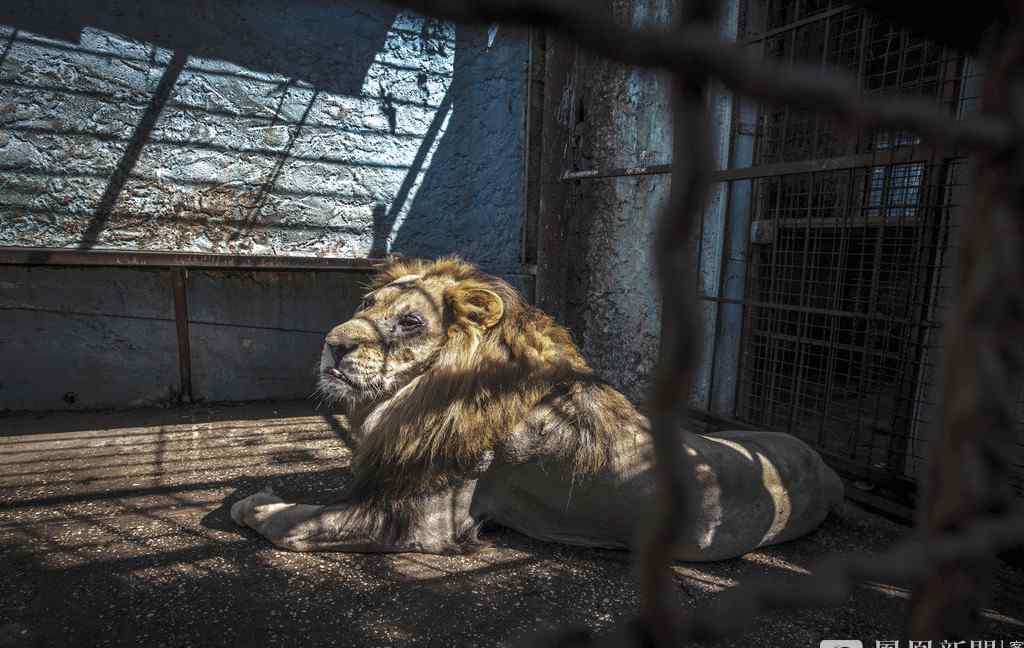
x: 114, y: 532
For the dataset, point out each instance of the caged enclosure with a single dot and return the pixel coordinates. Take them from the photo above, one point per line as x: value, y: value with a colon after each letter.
x: 791, y: 216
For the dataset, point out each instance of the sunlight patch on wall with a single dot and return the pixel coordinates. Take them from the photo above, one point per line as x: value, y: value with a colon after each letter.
x: 239, y: 161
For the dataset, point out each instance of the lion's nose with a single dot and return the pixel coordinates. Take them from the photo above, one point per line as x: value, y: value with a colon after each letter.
x: 339, y: 350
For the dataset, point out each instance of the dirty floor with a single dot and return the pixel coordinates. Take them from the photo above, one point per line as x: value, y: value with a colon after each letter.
x: 114, y: 531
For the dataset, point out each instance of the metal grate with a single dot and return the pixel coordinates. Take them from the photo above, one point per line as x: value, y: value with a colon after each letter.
x: 884, y: 59
x: 842, y: 266
x: 847, y: 265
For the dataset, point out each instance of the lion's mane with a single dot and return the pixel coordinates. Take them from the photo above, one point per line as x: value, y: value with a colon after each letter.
x: 482, y: 384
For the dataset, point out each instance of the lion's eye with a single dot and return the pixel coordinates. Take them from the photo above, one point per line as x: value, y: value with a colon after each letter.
x: 411, y: 321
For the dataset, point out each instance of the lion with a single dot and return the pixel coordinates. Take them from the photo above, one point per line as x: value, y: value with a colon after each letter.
x: 471, y: 406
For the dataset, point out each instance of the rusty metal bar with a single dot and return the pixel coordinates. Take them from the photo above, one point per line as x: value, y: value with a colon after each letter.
x: 765, y: 226
x: 675, y: 503
x: 900, y: 155
x: 14, y: 255
x: 620, y: 172
x: 179, y: 278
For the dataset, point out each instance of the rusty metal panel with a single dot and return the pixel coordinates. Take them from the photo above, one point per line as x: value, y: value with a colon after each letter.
x: 74, y: 339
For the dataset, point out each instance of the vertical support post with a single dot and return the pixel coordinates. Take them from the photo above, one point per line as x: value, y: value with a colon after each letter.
x: 715, y: 225
x: 729, y: 336
x: 534, y: 128
x: 179, y: 278
x: 675, y: 504
x: 984, y: 362
x: 555, y: 206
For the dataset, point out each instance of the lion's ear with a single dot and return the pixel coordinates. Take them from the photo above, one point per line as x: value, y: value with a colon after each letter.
x: 477, y: 306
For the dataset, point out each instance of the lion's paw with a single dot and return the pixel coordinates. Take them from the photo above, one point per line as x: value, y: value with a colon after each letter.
x: 241, y: 509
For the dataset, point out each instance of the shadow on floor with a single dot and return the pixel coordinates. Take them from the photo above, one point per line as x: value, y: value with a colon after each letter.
x: 119, y: 535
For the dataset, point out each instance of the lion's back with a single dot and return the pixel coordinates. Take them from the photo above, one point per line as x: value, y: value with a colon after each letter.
x: 577, y: 470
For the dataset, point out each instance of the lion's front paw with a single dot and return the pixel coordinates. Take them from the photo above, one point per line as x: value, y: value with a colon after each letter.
x: 242, y: 509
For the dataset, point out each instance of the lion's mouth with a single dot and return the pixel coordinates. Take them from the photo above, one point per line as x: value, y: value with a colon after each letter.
x: 335, y: 374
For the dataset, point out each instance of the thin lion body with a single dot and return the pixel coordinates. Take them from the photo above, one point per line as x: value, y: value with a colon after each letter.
x: 472, y: 406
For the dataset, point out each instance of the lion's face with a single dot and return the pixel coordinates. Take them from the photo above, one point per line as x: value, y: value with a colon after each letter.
x: 393, y: 337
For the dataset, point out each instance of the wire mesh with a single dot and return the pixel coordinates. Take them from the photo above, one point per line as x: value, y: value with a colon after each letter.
x: 841, y: 281
x: 849, y: 268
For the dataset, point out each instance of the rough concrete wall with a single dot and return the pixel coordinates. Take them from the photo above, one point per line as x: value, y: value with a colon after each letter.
x: 623, y: 120
x: 71, y: 339
x: 262, y: 127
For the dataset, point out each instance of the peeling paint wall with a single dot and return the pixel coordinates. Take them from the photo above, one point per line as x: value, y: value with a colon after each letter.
x: 263, y: 127
x: 622, y: 119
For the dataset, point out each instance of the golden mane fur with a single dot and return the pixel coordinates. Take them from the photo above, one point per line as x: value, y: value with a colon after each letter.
x: 483, y: 383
